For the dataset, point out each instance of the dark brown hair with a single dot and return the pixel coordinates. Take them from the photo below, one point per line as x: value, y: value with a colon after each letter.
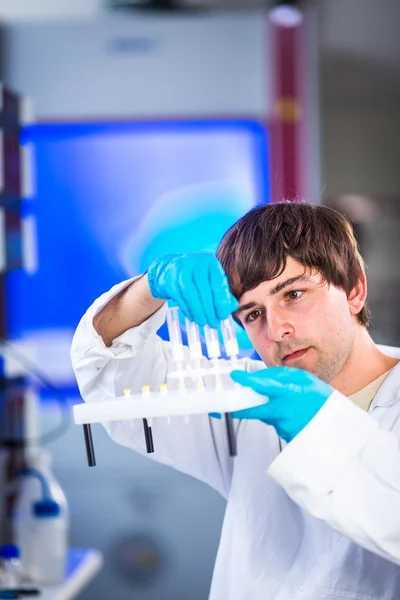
x: 256, y: 247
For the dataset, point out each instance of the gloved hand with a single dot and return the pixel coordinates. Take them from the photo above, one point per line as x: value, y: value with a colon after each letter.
x: 294, y: 398
x: 197, y: 283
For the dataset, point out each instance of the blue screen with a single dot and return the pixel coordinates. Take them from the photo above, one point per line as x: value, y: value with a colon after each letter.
x: 110, y: 198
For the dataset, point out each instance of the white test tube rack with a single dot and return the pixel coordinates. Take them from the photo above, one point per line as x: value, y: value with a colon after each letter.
x: 183, y: 402
x: 156, y: 404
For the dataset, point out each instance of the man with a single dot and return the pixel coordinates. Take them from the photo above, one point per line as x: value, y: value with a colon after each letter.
x: 320, y: 447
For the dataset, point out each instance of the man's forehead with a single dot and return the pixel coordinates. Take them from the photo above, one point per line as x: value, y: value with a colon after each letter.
x: 293, y: 273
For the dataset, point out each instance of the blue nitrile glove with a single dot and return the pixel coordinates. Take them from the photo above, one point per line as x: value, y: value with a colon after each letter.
x: 197, y: 283
x: 294, y: 398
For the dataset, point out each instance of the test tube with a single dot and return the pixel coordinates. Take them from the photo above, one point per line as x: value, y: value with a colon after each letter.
x: 214, y: 351
x: 229, y: 337
x: 195, y: 349
x: 175, y: 336
x: 212, y: 342
x: 194, y: 342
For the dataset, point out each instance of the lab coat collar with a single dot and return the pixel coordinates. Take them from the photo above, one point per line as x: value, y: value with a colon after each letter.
x: 389, y: 392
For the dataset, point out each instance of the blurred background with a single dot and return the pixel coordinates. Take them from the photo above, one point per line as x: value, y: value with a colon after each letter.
x: 131, y: 129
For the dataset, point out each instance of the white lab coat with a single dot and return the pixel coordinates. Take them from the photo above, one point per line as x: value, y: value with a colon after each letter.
x: 316, y: 519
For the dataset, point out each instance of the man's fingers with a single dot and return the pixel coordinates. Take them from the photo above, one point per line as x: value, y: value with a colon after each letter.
x: 265, y: 412
x: 204, y: 292
x: 259, y: 383
x: 224, y: 302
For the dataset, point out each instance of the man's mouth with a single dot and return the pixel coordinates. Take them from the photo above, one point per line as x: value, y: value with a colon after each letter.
x: 294, y: 355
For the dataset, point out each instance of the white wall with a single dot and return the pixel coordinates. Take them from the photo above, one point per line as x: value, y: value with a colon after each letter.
x: 141, y: 66
x: 363, y: 28
x: 361, y: 156
x: 361, y: 151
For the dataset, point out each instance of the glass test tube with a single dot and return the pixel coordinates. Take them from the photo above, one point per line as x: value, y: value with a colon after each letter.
x: 212, y: 342
x: 213, y: 350
x: 195, y: 349
x: 194, y: 342
x: 229, y: 337
x: 175, y: 335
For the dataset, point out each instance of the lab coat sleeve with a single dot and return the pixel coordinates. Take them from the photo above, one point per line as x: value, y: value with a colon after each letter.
x: 139, y: 357
x: 345, y: 469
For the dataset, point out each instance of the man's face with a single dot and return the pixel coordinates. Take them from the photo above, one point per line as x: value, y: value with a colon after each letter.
x: 297, y: 320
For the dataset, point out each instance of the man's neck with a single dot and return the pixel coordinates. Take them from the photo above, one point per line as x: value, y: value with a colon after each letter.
x: 365, y: 364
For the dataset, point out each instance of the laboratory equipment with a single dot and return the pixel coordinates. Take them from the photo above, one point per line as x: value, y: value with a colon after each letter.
x: 175, y: 338
x: 148, y: 435
x: 212, y: 342
x: 190, y: 396
x: 46, y: 547
x: 232, y: 351
x: 214, y: 352
x: 230, y: 340
x: 10, y: 566
x: 194, y: 341
x: 41, y: 521
x: 175, y: 335
x: 196, y: 354
x: 172, y: 403
x: 15, y: 414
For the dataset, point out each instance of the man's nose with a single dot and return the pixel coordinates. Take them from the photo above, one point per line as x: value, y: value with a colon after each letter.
x: 278, y: 327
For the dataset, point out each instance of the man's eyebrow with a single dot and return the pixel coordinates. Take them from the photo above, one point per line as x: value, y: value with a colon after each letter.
x: 287, y: 282
x: 278, y: 288
x: 244, y: 307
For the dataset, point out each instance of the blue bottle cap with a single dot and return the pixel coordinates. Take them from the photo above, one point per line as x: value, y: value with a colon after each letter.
x: 46, y: 508
x: 8, y: 551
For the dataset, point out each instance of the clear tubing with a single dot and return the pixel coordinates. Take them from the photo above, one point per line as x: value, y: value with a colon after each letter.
x: 175, y: 335
x: 212, y: 342
x: 229, y: 337
x: 194, y: 342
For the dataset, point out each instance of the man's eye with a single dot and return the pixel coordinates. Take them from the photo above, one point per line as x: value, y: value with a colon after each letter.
x: 294, y: 294
x: 252, y: 316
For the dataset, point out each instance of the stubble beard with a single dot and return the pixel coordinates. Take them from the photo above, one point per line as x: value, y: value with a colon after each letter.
x: 330, y: 364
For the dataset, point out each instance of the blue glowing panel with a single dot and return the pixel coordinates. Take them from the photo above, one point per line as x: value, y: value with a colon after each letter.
x: 111, y: 197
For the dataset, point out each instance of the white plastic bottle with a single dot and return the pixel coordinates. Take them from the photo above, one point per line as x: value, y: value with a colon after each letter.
x: 41, y: 523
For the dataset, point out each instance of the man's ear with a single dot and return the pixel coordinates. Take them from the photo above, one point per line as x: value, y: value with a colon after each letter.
x: 358, y: 295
